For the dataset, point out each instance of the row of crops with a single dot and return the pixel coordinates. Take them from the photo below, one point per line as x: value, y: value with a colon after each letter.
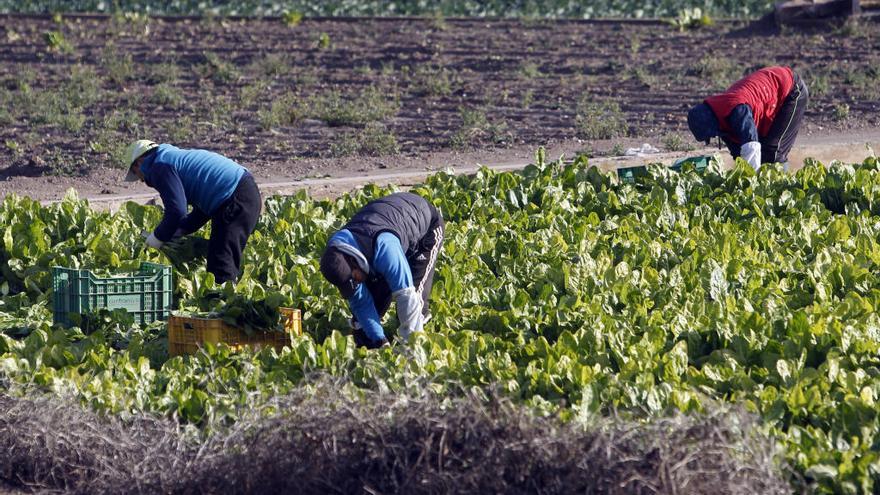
x: 557, y: 287
x: 496, y: 8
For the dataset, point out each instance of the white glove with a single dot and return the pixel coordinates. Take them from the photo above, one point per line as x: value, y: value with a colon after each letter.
x: 153, y: 242
x: 409, y: 311
x: 751, y: 152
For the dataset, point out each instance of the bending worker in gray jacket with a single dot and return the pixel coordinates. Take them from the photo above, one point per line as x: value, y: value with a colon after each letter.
x: 387, y: 250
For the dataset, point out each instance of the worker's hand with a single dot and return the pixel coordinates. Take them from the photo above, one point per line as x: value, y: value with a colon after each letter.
x: 151, y: 240
x: 361, y: 340
x: 751, y: 152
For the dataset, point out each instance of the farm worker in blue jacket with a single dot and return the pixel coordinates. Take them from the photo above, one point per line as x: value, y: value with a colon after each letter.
x: 758, y: 117
x: 386, y: 251
x: 218, y: 189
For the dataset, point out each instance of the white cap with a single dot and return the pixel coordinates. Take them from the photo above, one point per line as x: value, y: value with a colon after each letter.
x: 134, y: 151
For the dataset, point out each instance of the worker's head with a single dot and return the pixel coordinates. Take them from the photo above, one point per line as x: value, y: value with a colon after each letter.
x: 342, y: 271
x: 703, y: 123
x: 134, y: 156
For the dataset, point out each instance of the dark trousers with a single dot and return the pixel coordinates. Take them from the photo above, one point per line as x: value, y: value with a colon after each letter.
x: 421, y: 263
x: 231, y: 226
x: 778, y: 142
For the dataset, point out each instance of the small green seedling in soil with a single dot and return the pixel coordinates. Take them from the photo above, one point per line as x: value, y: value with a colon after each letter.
x: 291, y: 18
x: 375, y: 139
x: 13, y: 146
x: 840, y: 112
x: 527, y: 99
x: 674, y: 142
x: 600, y: 120
x: 120, y: 68
x: 56, y: 42
x: 165, y: 95
x: 323, y: 41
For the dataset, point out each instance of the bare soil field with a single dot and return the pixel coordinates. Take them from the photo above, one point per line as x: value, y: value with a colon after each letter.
x: 350, y: 97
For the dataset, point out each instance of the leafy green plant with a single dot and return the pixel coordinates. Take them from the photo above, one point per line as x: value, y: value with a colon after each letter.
x: 272, y: 65
x: 13, y: 146
x: 865, y: 81
x: 527, y: 98
x: 163, y: 73
x: 216, y: 69
x: 291, y: 18
x: 186, y: 250
x: 166, y: 95
x: 55, y: 41
x: 370, y: 105
x: 692, y: 18
x: 119, y: 67
x: 530, y: 70
x: 286, y: 110
x: 431, y: 81
x: 323, y: 42
x: 840, y: 111
x: 130, y: 23
x: 675, y: 142
x: 819, y: 85
x: 374, y: 140
x: 718, y: 72
x: 643, y: 76
x: 181, y: 130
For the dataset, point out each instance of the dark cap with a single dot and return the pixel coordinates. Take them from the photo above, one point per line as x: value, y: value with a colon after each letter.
x: 337, y: 271
x: 703, y: 122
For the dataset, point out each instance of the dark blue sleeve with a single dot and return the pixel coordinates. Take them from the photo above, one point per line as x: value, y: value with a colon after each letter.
x: 164, y: 179
x: 742, y: 122
x: 735, y: 148
x: 193, y: 221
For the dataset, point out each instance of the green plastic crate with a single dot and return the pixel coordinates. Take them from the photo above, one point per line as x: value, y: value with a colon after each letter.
x: 629, y: 174
x: 700, y: 163
x: 146, y: 295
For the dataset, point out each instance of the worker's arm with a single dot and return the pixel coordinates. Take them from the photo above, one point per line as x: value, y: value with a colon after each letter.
x: 193, y: 222
x: 364, y: 310
x: 742, y: 125
x: 390, y: 261
x: 164, y: 179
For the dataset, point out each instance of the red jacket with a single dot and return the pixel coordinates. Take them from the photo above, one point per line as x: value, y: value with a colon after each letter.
x: 763, y: 91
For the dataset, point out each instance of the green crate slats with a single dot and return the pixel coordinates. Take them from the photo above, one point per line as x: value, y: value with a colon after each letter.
x: 145, y: 295
x: 630, y: 174
x: 700, y: 163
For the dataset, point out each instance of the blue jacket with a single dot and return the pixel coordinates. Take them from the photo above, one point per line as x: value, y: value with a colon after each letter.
x: 199, y: 178
x: 389, y: 262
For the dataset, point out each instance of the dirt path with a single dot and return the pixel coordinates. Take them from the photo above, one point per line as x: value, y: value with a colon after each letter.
x: 850, y: 147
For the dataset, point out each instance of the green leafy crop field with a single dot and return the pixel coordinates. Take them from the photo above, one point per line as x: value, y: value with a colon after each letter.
x: 494, y: 8
x: 557, y: 287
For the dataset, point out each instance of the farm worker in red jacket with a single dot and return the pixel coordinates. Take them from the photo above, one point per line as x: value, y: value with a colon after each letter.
x: 758, y: 117
x: 218, y: 189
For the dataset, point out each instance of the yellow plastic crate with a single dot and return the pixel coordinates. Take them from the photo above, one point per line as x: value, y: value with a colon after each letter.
x: 186, y: 333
